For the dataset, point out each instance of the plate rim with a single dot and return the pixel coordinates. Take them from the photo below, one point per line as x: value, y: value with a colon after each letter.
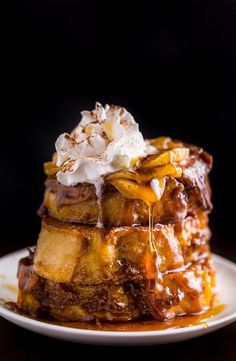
x: 24, y: 320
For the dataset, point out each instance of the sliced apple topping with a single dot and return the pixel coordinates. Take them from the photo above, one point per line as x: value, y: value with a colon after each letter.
x: 146, y: 175
x: 147, y: 179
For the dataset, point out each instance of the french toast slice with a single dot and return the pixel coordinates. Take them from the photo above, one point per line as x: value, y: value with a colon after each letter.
x: 187, y: 291
x: 183, y: 187
x: 88, y: 255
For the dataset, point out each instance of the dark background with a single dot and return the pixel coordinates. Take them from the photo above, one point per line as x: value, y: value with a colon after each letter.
x: 172, y: 64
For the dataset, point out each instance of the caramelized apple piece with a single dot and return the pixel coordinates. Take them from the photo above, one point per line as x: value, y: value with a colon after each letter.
x: 172, y: 156
x: 147, y: 175
x: 131, y: 189
x: 122, y: 174
x: 128, y: 183
x: 50, y: 168
x: 165, y: 143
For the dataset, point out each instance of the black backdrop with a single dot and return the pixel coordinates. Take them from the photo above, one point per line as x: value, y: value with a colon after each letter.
x: 172, y: 64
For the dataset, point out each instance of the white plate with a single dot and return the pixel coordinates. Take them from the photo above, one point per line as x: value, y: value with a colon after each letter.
x: 226, y: 275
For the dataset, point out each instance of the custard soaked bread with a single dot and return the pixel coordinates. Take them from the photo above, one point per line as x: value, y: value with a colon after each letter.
x: 124, y: 226
x: 85, y: 255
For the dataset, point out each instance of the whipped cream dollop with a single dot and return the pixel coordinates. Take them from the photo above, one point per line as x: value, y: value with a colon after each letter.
x: 107, y: 139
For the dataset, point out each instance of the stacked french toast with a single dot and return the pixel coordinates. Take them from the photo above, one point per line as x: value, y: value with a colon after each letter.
x: 123, y: 237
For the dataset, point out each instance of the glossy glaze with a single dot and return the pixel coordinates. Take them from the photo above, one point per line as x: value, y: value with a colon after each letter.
x: 137, y: 326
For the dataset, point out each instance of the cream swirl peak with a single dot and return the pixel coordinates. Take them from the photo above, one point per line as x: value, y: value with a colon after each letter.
x: 107, y: 139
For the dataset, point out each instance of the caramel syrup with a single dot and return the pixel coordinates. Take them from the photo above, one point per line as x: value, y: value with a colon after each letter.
x: 98, y: 188
x: 151, y: 255
x: 133, y: 326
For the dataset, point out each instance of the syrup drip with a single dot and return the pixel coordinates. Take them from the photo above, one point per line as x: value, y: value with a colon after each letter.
x: 152, y: 267
x: 98, y: 187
